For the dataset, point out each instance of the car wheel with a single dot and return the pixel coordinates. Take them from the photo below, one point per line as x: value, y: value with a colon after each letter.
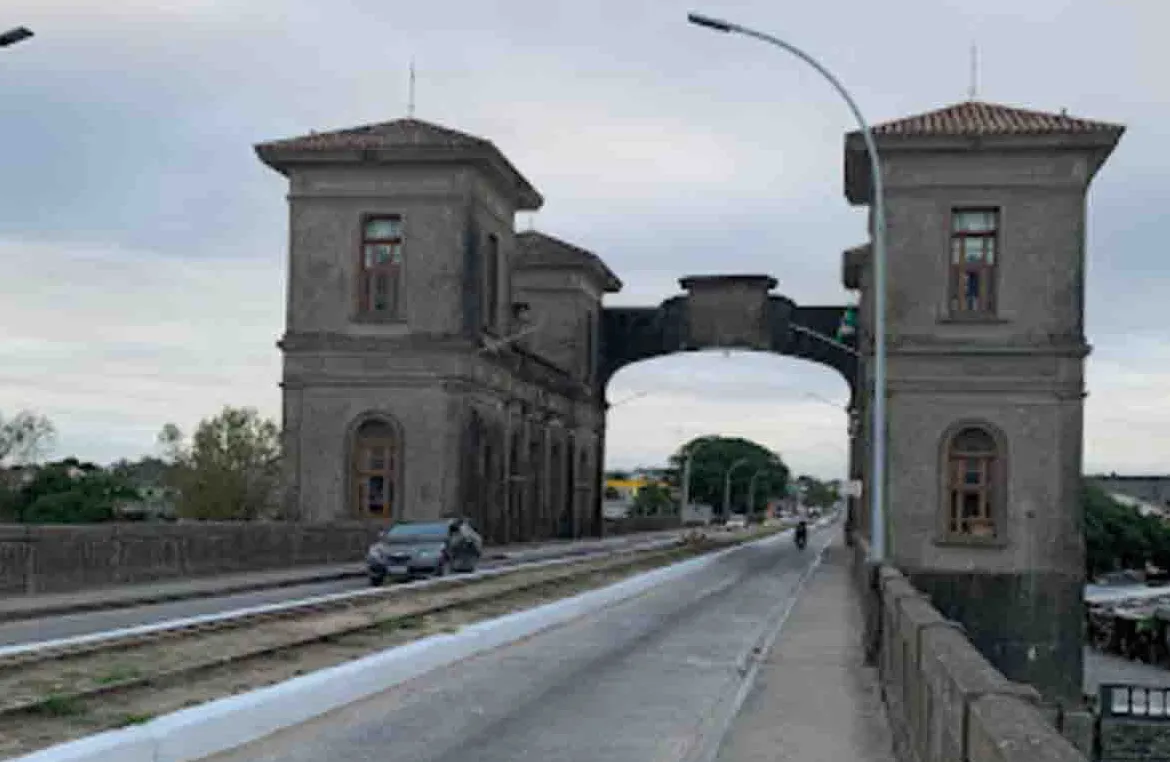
x: 376, y: 580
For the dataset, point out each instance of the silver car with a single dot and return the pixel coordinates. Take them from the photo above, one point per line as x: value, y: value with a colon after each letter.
x: 414, y: 549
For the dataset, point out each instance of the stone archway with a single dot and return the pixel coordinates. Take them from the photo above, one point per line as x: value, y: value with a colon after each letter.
x: 724, y: 312
x: 729, y: 312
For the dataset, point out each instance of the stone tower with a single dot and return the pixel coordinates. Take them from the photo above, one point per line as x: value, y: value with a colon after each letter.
x: 392, y: 229
x: 416, y: 383
x: 986, y: 347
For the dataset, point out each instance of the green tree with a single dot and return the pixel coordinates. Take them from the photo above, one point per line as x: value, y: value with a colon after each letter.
x: 653, y: 500
x: 713, y: 456
x: 1118, y: 537
x: 71, y: 492
x: 818, y: 493
x: 231, y: 470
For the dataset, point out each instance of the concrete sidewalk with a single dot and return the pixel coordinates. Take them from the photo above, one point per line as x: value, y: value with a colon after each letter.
x: 813, y: 699
x: 96, y: 599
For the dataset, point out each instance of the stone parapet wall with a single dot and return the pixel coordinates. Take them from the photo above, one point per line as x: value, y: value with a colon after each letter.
x: 53, y: 559
x: 633, y: 524
x: 945, y: 701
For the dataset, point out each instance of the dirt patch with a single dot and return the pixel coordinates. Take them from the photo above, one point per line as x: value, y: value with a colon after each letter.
x: 147, y: 681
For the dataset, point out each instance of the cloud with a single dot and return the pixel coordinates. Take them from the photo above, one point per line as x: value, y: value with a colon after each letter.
x: 145, y: 244
x: 108, y: 342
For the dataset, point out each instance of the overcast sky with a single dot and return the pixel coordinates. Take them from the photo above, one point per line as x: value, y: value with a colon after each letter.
x: 143, y: 244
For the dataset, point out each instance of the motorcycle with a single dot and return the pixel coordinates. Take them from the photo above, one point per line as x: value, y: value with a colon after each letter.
x: 801, y: 535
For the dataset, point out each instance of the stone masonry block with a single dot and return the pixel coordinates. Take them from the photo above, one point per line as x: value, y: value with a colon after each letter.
x: 955, y: 675
x: 1079, y: 727
x: 1007, y: 729
x: 916, y: 616
x: 894, y: 588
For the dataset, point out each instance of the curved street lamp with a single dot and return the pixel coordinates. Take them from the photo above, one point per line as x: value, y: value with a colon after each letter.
x: 877, y: 478
x: 686, y: 476
x: 752, y: 489
x: 13, y: 36
x: 727, y: 486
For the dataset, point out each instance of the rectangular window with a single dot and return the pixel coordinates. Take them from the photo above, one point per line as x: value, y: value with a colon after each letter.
x: 381, y: 267
x: 491, y: 286
x: 973, y: 259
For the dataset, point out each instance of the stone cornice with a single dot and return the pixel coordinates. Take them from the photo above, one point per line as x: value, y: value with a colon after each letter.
x: 378, y: 356
x: 919, y: 344
x: 381, y: 195
x: 348, y: 343
x: 1040, y: 390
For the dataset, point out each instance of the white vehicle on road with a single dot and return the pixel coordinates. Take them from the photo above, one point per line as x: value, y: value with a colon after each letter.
x: 736, y: 521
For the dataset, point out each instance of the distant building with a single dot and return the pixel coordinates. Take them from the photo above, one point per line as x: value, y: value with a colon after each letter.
x: 1152, y: 489
x: 1141, y: 506
x: 619, y: 494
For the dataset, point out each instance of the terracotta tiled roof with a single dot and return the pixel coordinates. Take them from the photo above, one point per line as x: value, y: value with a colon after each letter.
x: 399, y: 133
x: 535, y: 249
x: 410, y: 138
x: 979, y: 118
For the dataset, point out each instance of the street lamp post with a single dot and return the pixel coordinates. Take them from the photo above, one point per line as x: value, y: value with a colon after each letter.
x: 727, y: 487
x: 13, y: 36
x: 686, y: 478
x: 752, y: 490
x: 877, y: 478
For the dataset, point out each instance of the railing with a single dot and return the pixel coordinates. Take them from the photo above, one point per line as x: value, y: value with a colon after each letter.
x: 1135, y: 701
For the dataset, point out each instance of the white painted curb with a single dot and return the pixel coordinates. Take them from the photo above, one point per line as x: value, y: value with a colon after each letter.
x: 218, y: 726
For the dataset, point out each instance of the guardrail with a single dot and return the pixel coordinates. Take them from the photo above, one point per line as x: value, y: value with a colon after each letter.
x: 1135, y: 702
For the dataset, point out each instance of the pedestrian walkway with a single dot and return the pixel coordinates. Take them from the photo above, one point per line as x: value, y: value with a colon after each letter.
x: 96, y: 599
x: 814, y: 700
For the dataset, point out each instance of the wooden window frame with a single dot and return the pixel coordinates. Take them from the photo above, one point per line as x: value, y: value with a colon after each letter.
x: 394, y: 271
x: 989, y: 527
x: 988, y: 300
x: 360, y: 470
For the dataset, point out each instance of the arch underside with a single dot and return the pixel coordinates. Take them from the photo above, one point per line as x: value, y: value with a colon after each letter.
x: 633, y: 334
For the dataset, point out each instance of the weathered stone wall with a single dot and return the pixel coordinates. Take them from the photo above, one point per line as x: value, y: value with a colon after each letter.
x: 1134, y: 740
x: 55, y: 559
x: 945, y: 701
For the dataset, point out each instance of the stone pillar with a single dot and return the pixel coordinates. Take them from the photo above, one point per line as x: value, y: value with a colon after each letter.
x: 548, y: 496
x: 506, y: 484
x: 597, y: 518
x: 569, y: 493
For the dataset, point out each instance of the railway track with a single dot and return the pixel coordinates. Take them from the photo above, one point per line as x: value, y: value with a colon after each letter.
x: 30, y: 653
x: 40, y: 681
x: 51, y: 693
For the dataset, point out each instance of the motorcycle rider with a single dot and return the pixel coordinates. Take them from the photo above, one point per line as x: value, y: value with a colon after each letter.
x: 801, y: 533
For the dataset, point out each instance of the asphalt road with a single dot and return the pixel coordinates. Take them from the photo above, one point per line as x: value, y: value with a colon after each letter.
x: 68, y: 625
x: 640, y: 680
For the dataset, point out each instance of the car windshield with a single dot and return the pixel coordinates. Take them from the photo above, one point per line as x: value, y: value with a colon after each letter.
x: 436, y: 532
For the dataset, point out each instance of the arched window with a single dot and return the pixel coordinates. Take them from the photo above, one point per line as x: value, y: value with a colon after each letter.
x: 974, y: 489
x: 376, y: 471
